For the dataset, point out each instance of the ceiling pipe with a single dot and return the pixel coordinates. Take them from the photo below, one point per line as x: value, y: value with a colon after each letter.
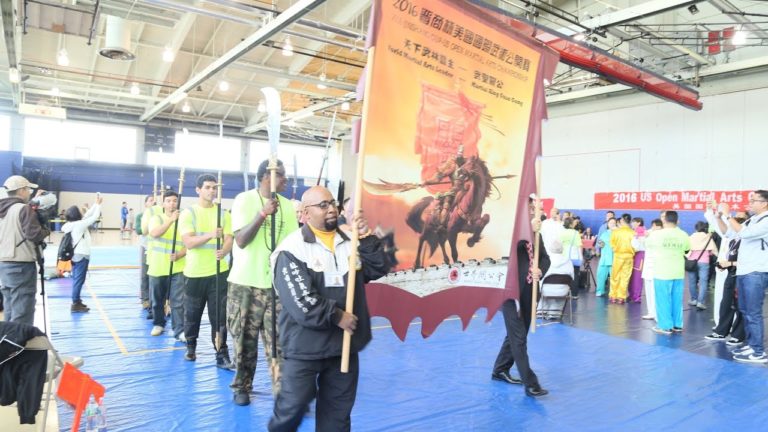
x: 253, y: 22
x: 293, y: 13
x: 304, y: 22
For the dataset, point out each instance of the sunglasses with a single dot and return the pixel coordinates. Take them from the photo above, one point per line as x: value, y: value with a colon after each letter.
x: 323, y: 205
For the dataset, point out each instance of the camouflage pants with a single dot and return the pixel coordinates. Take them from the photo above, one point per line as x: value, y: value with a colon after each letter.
x: 249, y: 312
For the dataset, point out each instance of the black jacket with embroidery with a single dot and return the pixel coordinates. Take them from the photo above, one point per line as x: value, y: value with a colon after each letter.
x: 22, y: 377
x: 312, y: 310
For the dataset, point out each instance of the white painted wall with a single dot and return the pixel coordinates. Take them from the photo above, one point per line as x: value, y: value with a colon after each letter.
x: 658, y: 146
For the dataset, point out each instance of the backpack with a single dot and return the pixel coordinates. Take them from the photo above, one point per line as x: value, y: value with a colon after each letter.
x: 66, y: 248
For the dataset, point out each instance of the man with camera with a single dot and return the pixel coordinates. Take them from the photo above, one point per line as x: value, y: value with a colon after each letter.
x: 21, y: 233
x: 751, y: 272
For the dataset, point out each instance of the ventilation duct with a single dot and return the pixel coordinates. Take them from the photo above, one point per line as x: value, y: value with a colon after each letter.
x: 117, y: 43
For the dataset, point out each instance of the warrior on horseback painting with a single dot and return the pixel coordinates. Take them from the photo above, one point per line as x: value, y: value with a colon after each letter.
x: 459, y: 210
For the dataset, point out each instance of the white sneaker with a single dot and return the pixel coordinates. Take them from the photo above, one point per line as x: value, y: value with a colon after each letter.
x: 692, y: 302
x: 745, y: 350
x: 157, y: 331
x: 181, y: 338
x: 649, y: 317
x: 733, y: 342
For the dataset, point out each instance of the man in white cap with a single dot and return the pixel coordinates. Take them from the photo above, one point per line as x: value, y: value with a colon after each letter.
x: 21, y: 232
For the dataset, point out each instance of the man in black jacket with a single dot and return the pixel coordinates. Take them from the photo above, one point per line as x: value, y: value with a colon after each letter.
x: 517, y: 317
x: 310, y: 271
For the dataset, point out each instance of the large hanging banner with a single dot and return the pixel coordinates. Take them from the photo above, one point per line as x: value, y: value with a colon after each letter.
x: 670, y: 200
x: 451, y: 136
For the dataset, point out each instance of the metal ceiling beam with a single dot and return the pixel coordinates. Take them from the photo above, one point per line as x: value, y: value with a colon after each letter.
x: 693, y: 54
x: 302, y: 113
x: 349, y: 12
x: 634, y: 13
x: 297, y: 10
x: 726, y: 68
x: 12, y: 43
x: 645, y: 46
x: 728, y: 8
x: 180, y: 33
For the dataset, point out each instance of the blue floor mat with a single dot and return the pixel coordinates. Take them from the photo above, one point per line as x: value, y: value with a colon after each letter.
x: 598, y: 382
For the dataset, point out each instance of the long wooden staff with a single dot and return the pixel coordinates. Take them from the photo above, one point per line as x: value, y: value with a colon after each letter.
x: 351, y: 276
x: 274, y: 108
x: 219, y: 327
x: 536, y: 236
x: 173, y: 244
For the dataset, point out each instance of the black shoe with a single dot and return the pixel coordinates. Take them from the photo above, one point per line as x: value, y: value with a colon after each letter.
x: 150, y: 316
x: 505, y: 377
x: 242, y: 398
x: 78, y: 307
x: 190, y: 354
x: 535, y: 391
x: 223, y: 361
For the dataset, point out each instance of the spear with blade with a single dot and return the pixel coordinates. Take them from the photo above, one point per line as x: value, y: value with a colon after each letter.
x: 327, y: 148
x: 388, y: 188
x: 273, y: 105
x: 173, y: 244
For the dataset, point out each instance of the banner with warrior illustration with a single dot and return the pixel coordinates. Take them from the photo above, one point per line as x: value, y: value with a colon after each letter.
x: 451, y: 136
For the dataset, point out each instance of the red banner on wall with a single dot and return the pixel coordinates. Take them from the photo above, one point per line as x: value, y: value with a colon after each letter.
x: 670, y: 200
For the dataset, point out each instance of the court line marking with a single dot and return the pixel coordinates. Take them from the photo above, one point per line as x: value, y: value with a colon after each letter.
x: 106, y: 320
x: 113, y: 332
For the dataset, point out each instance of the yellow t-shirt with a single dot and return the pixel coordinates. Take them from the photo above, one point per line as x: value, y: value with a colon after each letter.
x: 326, y: 237
x: 196, y: 220
x: 250, y: 265
x: 159, y: 261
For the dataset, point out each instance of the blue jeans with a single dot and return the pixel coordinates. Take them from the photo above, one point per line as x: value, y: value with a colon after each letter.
x: 669, y: 303
x: 79, y: 269
x: 751, y: 294
x: 699, y: 277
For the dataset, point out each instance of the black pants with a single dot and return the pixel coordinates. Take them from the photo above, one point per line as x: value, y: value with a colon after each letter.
x: 301, y: 380
x: 729, y: 309
x: 144, y: 290
x: 515, y: 346
x: 197, y: 293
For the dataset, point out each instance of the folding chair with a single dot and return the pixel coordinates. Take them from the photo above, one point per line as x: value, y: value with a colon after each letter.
x: 55, y: 364
x: 555, y: 289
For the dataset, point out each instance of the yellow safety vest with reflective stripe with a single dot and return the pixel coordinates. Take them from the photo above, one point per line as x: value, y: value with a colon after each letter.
x: 196, y: 220
x: 145, y: 219
x: 159, y: 261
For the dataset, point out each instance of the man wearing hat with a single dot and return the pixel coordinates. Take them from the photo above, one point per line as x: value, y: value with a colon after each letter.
x: 20, y: 234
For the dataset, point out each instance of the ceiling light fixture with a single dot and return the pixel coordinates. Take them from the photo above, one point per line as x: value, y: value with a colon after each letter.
x: 186, y: 108
x: 287, y: 47
x: 693, y: 9
x: 14, y: 76
x: 62, y: 58
x: 55, y: 92
x: 135, y: 90
x: 223, y: 86
x: 580, y: 37
x: 168, y: 55
x: 739, y: 38
x: 345, y: 106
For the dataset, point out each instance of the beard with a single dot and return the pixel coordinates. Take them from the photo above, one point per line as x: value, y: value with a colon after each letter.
x: 331, y: 224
